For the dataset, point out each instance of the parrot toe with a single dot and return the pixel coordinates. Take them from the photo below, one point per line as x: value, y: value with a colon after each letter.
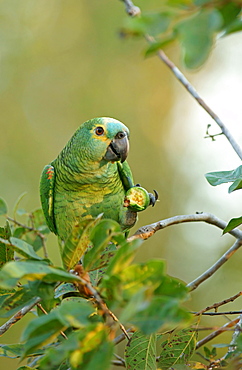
x: 153, y: 198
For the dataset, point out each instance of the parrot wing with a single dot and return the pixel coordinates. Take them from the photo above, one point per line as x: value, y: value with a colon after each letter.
x: 47, y: 184
x: 125, y: 175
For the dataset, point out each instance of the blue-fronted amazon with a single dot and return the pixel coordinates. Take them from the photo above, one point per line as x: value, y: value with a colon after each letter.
x: 91, y: 177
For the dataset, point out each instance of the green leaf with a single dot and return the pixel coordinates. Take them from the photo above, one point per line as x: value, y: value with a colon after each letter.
x: 235, y: 186
x: 101, y: 235
x: 221, y: 177
x: 137, y: 276
x: 6, y: 252
x: 32, y: 238
x: 42, y: 330
x: 72, y: 312
x: 11, y: 350
x: 233, y: 223
x: 161, y: 44
x: 229, y: 11
x: 38, y: 219
x: 16, y: 301
x: 17, y: 203
x: 76, y: 311
x: 235, y: 26
x: 3, y: 207
x: 24, y: 248
x: 99, y: 358
x: 123, y: 257
x: 140, y: 352
x: 148, y: 23
x: 78, y: 242
x: 101, y: 265
x: 155, y: 313
x: 86, y: 349
x: 19, y: 232
x: 178, y: 349
x: 32, y: 270
x: 65, y: 289
x: 196, y: 35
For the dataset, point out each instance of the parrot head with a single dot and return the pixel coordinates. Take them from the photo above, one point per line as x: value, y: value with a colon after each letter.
x: 99, y: 140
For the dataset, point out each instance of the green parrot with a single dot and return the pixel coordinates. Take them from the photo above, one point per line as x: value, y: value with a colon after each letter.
x: 90, y: 177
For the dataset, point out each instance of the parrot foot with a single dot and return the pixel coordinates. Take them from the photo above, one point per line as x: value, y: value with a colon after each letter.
x: 153, y: 198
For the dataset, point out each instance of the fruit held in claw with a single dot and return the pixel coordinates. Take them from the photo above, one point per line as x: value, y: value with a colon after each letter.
x: 137, y: 199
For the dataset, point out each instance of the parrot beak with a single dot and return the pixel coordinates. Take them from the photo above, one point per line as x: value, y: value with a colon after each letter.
x: 118, y: 149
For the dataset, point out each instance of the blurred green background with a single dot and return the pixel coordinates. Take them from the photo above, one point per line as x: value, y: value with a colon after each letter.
x: 63, y: 62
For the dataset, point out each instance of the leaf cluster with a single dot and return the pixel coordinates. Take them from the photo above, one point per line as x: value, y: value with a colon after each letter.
x: 193, y: 24
x: 76, y: 306
x: 223, y: 177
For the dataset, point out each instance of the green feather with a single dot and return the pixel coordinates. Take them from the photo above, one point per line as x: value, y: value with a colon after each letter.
x: 47, y: 182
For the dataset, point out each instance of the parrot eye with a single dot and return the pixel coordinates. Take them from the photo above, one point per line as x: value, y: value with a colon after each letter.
x: 99, y: 131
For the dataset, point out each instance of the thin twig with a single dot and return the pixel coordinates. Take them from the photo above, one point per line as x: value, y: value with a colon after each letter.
x: 120, y: 359
x: 233, y: 343
x: 225, y: 257
x: 18, y: 316
x: 117, y: 363
x: 120, y: 324
x: 221, y: 330
x: 179, y: 75
x: 218, y: 304
x: 131, y: 9
x: 219, y: 313
x: 122, y: 336
x: 46, y: 313
x: 92, y: 291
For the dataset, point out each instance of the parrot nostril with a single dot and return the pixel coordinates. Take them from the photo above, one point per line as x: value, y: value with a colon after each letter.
x: 120, y: 135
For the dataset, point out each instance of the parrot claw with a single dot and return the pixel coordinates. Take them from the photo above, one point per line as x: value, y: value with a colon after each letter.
x: 153, y: 198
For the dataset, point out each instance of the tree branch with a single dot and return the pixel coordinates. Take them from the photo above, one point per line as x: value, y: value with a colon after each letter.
x: 179, y: 75
x: 195, y: 283
x: 91, y: 291
x: 233, y: 343
x: 221, y: 330
x: 18, y: 316
x: 132, y: 10
x: 147, y: 231
x: 218, y: 304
